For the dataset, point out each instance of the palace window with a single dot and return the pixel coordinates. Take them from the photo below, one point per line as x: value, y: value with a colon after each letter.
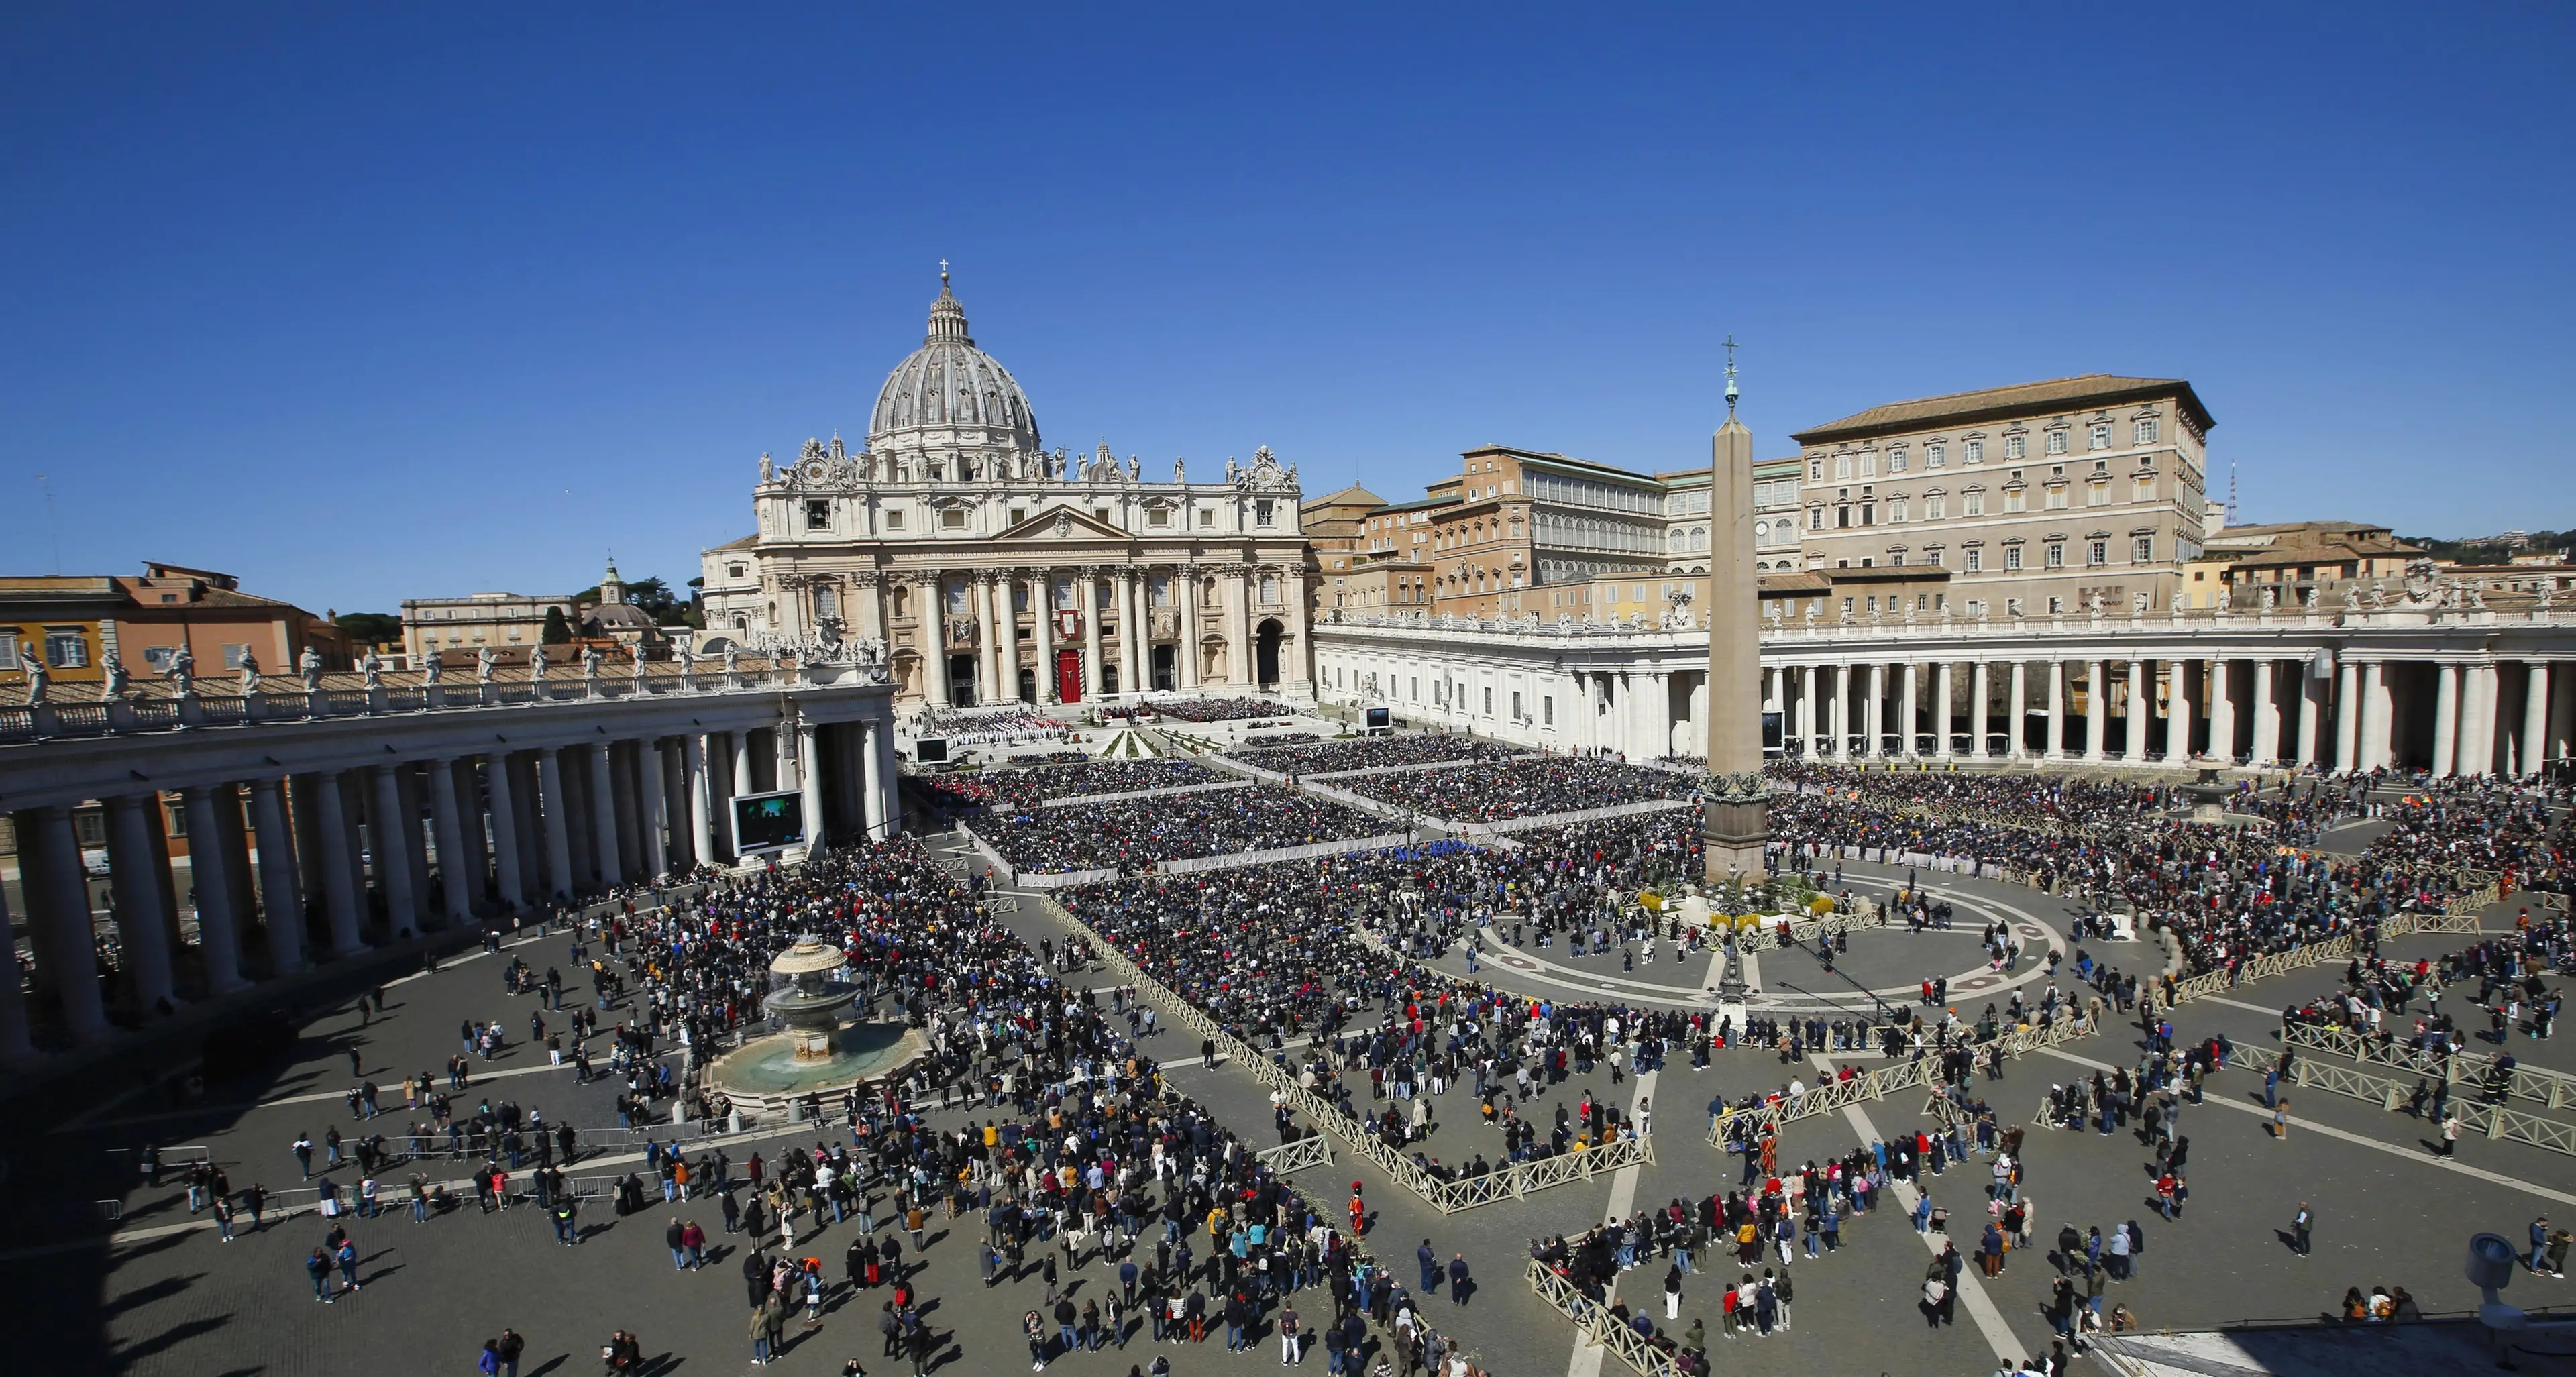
x: 2098, y: 493
x: 1974, y: 452
x: 818, y: 514
x: 66, y: 649
x: 2056, y: 497
x: 2016, y: 500
x: 1896, y: 460
x: 2097, y: 552
x: 2014, y: 446
x: 2142, y: 550
x: 2012, y: 557
x: 1973, y: 502
x: 2101, y: 435
x: 893, y: 522
x: 2143, y: 431
x: 952, y: 519
x: 2057, y: 441
x: 2055, y: 556
x: 1976, y: 560
x: 1936, y: 455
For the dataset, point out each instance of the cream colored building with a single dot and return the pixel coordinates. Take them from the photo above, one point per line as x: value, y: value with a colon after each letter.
x: 997, y: 572
x: 2037, y: 498
x: 505, y: 623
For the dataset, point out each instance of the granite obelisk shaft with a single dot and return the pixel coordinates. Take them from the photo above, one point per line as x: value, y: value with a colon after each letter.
x: 1735, y: 816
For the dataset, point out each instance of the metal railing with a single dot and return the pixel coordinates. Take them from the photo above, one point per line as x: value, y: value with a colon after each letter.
x: 2554, y: 1089
x: 2492, y: 1121
x: 1881, y: 1082
x: 1313, y: 1150
x: 1598, y: 1326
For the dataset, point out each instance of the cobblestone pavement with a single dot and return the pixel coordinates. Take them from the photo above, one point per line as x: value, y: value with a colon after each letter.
x: 165, y: 1295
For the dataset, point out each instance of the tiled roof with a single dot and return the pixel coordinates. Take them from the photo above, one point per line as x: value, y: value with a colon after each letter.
x: 2061, y: 394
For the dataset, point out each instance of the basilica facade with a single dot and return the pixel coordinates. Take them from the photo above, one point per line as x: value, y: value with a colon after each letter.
x: 991, y: 571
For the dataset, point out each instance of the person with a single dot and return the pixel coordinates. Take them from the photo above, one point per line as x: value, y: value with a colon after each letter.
x: 2301, y: 1225
x: 2538, y: 1261
x: 318, y: 1267
x: 511, y: 1346
x: 1458, y: 1279
x: 1289, y: 1350
x: 1034, y: 1327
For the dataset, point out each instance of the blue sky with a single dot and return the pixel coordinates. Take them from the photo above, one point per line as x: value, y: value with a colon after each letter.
x: 363, y: 304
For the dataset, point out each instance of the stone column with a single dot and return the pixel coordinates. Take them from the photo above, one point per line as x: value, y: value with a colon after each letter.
x: 1811, y: 717
x: 872, y: 803
x: 2312, y: 689
x: 2141, y: 714
x: 1042, y: 619
x: 2347, y: 713
x: 415, y: 851
x: 2017, y: 711
x: 15, y: 1045
x: 653, y: 806
x: 1873, y: 692
x: 1771, y: 700
x: 1131, y: 639
x: 744, y: 780
x: 930, y: 625
x: 1000, y: 684
x: 218, y: 928
x: 1087, y: 594
x: 603, y: 805
x: 281, y: 900
x: 2531, y: 749
x: 2222, y: 712
x: 1981, y: 686
x: 59, y: 924
x: 1185, y: 582
x: 870, y: 597
x: 2097, y: 709
x: 889, y: 777
x: 2446, y: 717
x: 138, y: 898
x: 387, y: 842
x: 2267, y: 714
x: 2177, y: 711
x: 340, y: 876
x: 1944, y: 693
x: 558, y: 820
x: 2056, y: 711
x: 1238, y: 626
x: 693, y: 763
x: 809, y: 782
x: 2477, y: 726
x: 458, y: 880
x: 507, y: 874
x: 2374, y: 715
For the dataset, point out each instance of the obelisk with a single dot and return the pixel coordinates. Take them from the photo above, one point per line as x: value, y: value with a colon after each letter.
x: 1734, y: 813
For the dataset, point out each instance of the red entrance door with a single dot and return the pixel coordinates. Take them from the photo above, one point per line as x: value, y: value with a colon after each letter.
x: 1068, y: 676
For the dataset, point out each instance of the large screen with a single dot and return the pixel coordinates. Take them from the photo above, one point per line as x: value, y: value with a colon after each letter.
x: 768, y: 822
x: 931, y: 750
x: 1377, y: 719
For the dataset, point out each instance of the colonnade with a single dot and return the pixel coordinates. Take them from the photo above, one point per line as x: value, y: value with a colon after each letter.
x: 1211, y: 616
x: 300, y: 846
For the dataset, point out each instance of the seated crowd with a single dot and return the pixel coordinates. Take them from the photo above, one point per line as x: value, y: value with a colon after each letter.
x: 1202, y: 709
x: 1132, y: 834
x: 1029, y: 787
x: 1372, y: 752
x: 988, y: 726
x: 1525, y: 786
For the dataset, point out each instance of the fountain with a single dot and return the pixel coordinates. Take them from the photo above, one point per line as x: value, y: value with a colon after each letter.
x: 815, y: 1052
x: 2209, y: 795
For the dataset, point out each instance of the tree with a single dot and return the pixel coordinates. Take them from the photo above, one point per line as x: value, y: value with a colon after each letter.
x: 370, y: 628
x: 557, y: 631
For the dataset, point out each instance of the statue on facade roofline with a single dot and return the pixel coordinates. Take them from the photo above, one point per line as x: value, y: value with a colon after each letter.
x: 432, y: 668
x: 309, y: 664
x: 484, y: 660
x: 114, y: 683
x: 40, y: 677
x: 537, y: 665
x: 373, y: 666
x: 590, y: 662
x: 249, y: 672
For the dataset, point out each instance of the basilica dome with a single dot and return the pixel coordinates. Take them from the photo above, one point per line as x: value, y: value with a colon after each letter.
x: 948, y: 385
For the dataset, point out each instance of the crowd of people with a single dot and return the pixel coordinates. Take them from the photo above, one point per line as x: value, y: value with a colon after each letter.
x: 1523, y: 786
x: 2225, y: 893
x: 989, y: 726
x: 1129, y: 835
x: 1027, y: 787
x: 1371, y: 752
x: 1213, y: 709
x: 1053, y: 1130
